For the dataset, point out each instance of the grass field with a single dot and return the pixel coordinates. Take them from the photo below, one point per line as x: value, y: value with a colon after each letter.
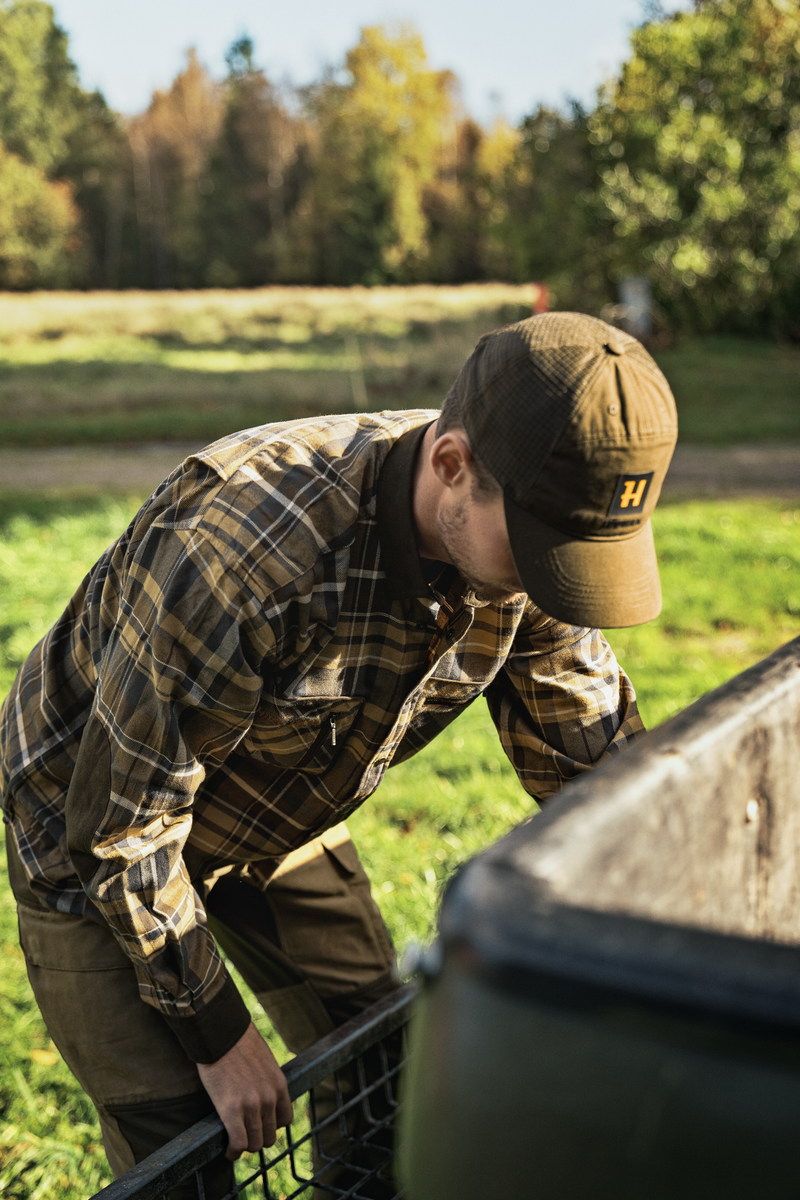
x: 143, y: 366
x: 731, y: 577
x: 121, y: 367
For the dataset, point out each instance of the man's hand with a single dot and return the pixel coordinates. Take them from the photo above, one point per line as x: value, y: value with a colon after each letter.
x: 248, y: 1090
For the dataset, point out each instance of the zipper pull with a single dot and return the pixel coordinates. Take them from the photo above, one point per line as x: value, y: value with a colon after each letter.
x: 333, y: 730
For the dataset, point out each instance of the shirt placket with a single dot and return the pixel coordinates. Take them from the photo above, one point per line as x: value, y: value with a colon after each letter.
x: 453, y: 622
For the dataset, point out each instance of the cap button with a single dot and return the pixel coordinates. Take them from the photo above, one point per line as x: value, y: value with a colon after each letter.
x: 615, y: 346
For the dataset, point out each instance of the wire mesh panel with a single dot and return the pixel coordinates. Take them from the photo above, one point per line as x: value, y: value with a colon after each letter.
x: 342, y: 1145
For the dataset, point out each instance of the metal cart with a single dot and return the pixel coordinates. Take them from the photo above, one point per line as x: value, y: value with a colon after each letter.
x: 359, y: 1065
x: 613, y: 1006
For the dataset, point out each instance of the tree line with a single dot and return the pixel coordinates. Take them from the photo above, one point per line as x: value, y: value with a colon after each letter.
x: 686, y: 171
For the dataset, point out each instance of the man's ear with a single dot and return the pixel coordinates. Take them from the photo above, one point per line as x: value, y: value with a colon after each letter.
x: 451, y: 458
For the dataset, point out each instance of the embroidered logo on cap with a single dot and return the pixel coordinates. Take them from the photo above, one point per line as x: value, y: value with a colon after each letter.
x: 631, y: 494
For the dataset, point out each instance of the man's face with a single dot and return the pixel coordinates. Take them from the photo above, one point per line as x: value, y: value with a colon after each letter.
x: 473, y: 531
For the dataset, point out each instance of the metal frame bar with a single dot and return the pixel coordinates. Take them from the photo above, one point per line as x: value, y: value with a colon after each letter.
x: 188, y: 1153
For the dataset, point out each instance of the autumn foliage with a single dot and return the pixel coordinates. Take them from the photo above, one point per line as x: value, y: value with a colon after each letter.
x: 687, y: 171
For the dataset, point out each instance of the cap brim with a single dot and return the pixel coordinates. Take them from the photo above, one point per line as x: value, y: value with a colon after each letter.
x: 607, y: 583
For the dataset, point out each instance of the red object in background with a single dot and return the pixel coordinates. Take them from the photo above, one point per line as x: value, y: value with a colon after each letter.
x: 541, y: 298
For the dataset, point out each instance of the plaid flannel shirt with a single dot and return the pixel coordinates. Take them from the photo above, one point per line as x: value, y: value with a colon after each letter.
x: 237, y: 672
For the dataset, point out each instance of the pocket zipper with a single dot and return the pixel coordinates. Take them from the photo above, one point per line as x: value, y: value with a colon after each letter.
x: 318, y: 742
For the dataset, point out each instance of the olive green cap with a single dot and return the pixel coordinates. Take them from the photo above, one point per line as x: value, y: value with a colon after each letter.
x: 577, y: 424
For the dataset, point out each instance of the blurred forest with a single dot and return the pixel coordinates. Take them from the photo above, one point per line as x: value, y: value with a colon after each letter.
x: 687, y: 171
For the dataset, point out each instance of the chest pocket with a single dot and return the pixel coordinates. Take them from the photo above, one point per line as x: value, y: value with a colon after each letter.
x: 456, y: 682
x: 443, y: 695
x: 302, y: 735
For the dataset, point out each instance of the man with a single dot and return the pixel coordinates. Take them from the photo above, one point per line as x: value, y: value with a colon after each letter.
x: 294, y: 609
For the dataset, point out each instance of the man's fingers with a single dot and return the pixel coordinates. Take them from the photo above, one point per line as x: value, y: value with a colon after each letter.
x: 283, y: 1109
x: 275, y: 1115
x: 249, y: 1092
x: 256, y: 1120
x: 237, y: 1137
x: 257, y: 1125
x: 267, y: 1128
x: 249, y: 1129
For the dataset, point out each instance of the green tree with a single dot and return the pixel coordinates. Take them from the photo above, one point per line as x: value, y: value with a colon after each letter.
x: 698, y: 157
x: 542, y: 222
x: 39, y: 227
x: 255, y: 178
x: 39, y: 90
x: 96, y: 164
x: 379, y: 141
x: 69, y: 137
x: 466, y: 204
x: 40, y: 238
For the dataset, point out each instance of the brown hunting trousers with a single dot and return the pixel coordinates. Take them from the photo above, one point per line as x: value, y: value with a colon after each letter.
x: 311, y: 944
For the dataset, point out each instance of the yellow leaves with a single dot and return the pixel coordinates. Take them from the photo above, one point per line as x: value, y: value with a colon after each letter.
x: 721, y: 203
x: 185, y: 121
x: 498, y: 150
x: 409, y: 219
x: 392, y: 53
x: 390, y: 131
x: 638, y: 201
x: 396, y: 92
x: 44, y: 1058
x: 691, y: 257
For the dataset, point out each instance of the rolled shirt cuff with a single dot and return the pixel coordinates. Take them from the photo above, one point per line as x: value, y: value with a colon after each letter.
x: 216, y: 1028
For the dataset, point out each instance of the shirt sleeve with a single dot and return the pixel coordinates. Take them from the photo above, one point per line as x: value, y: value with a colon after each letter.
x: 561, y: 704
x: 177, y: 687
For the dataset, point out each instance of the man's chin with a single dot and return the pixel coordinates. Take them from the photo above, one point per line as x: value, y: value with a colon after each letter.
x: 495, y: 595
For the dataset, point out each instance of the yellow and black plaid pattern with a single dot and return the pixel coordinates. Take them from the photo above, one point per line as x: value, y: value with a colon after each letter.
x: 239, y: 669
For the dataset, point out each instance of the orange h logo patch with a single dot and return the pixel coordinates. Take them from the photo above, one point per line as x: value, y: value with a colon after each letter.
x: 631, y: 493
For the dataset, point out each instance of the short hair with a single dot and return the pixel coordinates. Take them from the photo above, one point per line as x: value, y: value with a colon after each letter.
x: 486, y: 486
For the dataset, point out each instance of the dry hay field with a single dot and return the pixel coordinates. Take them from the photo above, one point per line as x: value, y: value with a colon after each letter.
x: 154, y: 366
x: 132, y: 367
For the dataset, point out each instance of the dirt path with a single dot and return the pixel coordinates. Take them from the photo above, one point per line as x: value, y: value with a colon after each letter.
x: 765, y: 470
x: 116, y: 468
x: 771, y: 469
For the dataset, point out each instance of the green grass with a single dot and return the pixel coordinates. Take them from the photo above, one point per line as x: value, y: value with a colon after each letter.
x: 157, y: 366
x: 731, y: 579
x: 730, y: 574
x: 734, y: 389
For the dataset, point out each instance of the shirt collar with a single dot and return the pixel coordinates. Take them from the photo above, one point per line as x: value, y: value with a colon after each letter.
x: 400, y: 558
x: 399, y: 554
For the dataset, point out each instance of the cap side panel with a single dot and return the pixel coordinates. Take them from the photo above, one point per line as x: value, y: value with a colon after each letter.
x: 517, y: 412
x: 512, y: 450
x: 647, y: 406
x: 625, y: 405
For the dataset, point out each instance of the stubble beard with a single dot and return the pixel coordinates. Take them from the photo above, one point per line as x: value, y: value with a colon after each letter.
x: 455, y: 539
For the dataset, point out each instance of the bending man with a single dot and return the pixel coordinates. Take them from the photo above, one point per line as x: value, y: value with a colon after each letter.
x: 295, y: 609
